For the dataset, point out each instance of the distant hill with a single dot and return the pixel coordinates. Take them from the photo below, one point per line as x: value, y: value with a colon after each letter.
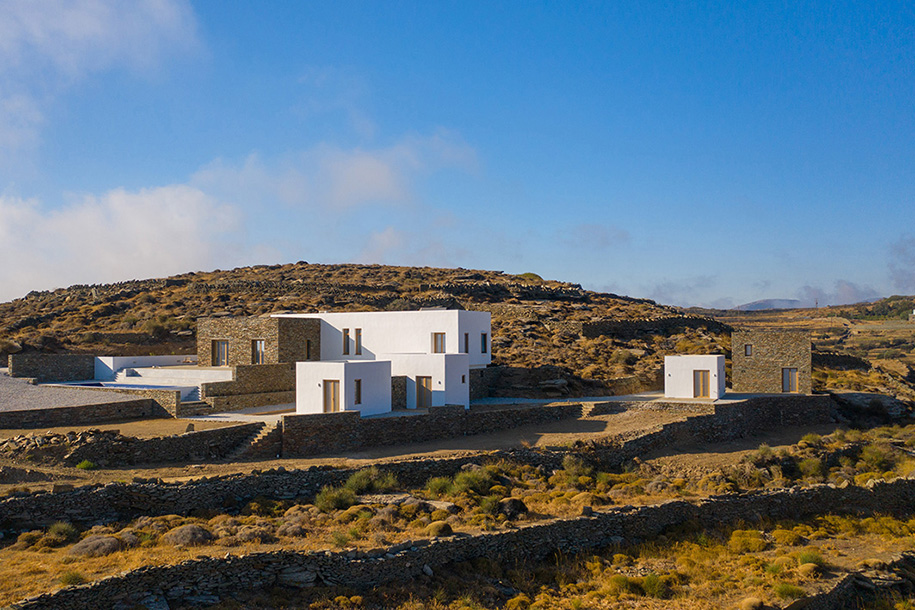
x: 771, y: 304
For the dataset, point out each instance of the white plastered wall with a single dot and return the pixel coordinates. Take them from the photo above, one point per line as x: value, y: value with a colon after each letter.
x: 450, y: 376
x: 106, y: 367
x: 376, y: 386
x: 678, y: 375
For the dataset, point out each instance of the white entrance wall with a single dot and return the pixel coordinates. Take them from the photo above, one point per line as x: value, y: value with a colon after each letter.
x: 450, y: 375
x: 678, y: 375
x: 106, y: 367
x: 404, y: 332
x: 376, y: 385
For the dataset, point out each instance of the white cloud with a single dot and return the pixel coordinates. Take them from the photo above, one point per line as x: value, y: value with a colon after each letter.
x: 328, y: 177
x: 119, y: 235
x: 48, y: 45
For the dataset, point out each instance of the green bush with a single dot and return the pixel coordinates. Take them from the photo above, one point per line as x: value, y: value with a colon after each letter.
x: 439, y: 486
x: 490, y: 505
x: 785, y: 591
x: 59, y: 534
x: 875, y: 458
x: 811, y: 467
x: 810, y: 557
x: 655, y: 586
x: 334, y: 498
x: 371, y: 480
x: 86, y: 465
x: 72, y: 578
x: 477, y: 481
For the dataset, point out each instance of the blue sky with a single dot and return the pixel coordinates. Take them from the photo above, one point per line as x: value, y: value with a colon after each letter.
x: 710, y: 154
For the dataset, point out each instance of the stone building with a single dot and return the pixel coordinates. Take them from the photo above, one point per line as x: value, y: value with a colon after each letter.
x: 770, y: 362
x: 230, y: 341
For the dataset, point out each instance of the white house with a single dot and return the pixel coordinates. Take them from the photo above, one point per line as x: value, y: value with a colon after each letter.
x: 330, y: 387
x: 694, y: 377
x: 434, y: 350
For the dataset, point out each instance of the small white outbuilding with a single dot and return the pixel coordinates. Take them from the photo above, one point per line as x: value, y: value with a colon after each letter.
x: 694, y: 377
x: 338, y: 385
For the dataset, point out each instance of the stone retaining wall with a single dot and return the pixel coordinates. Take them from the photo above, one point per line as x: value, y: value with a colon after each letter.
x: 82, y: 415
x: 305, y: 435
x: 212, y: 444
x: 253, y: 385
x: 214, y: 578
x: 665, y: 325
x: 50, y: 368
x: 167, y: 400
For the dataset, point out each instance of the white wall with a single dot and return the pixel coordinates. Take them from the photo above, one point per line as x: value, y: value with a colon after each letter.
x: 446, y: 371
x: 678, y: 375
x: 106, y: 367
x: 376, y: 385
x: 403, y: 332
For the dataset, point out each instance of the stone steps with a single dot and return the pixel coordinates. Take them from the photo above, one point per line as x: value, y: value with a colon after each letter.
x: 267, y: 442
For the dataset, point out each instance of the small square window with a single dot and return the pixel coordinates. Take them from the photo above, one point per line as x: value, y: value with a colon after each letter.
x: 748, y: 349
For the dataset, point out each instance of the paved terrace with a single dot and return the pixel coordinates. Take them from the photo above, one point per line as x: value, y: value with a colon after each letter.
x: 20, y: 395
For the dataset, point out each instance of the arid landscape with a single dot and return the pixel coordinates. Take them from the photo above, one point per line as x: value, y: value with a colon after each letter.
x: 492, y: 483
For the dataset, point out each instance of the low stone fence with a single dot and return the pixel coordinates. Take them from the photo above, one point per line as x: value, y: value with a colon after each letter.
x: 253, y: 385
x: 50, y: 368
x: 213, y: 578
x: 212, y: 444
x: 663, y: 325
x: 168, y: 401
x: 82, y: 415
x: 331, y: 432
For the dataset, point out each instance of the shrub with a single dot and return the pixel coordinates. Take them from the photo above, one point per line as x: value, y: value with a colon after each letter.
x: 746, y: 541
x: 339, y: 538
x: 623, y: 584
x: 371, y: 480
x: 86, y: 465
x: 655, y: 586
x: 97, y: 546
x: 810, y: 557
x: 477, y: 481
x: 27, y: 539
x: 786, y: 591
x: 72, y: 578
x: 490, y: 505
x: 519, y: 602
x: 787, y: 537
x: 875, y: 458
x: 811, y: 439
x: 439, y: 486
x: 811, y: 467
x: 188, y: 535
x: 334, y: 498
x: 59, y: 534
x: 439, y: 528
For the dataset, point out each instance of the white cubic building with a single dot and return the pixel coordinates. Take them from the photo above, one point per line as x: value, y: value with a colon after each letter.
x: 694, y: 377
x: 429, y: 355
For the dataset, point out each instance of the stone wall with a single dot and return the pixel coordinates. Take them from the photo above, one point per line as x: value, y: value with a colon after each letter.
x: 81, y: 415
x: 399, y: 391
x: 661, y: 325
x: 284, y: 338
x: 51, y: 368
x: 305, y: 435
x: 167, y: 400
x: 771, y: 351
x: 253, y: 385
x: 219, y: 577
x: 212, y: 444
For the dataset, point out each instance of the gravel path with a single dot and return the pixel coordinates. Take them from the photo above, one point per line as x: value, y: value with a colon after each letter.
x: 19, y: 395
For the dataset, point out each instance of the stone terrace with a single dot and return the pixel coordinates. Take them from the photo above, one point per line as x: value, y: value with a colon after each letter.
x: 19, y: 395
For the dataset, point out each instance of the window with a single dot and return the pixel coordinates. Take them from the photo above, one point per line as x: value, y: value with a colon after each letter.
x: 220, y: 353
x: 357, y: 393
x: 438, y: 343
x: 358, y: 341
x: 257, y: 352
x: 483, y: 343
x: 466, y: 343
x: 748, y: 349
x: 345, y: 341
x: 463, y: 378
x: 307, y: 349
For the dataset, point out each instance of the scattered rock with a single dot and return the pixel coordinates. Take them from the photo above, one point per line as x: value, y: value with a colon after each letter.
x: 96, y: 546
x: 188, y: 535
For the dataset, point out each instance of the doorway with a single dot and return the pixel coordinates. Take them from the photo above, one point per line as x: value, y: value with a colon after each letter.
x: 331, y: 395
x: 789, y: 381
x: 701, y: 384
x: 423, y: 392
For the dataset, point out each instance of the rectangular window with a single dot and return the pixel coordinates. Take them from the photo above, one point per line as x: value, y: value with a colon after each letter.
x: 257, y: 352
x: 307, y: 349
x: 484, y: 347
x: 357, y: 393
x: 220, y: 353
x: 438, y: 343
x: 748, y: 349
x: 463, y: 378
x: 358, y: 341
x: 789, y: 380
x: 466, y: 343
x: 345, y: 341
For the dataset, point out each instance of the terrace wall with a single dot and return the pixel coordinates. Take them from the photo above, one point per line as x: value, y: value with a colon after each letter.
x: 51, y: 368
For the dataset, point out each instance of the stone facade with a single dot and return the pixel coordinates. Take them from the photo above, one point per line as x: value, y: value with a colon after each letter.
x: 52, y: 368
x: 758, y: 369
x: 253, y: 385
x: 285, y: 339
x: 399, y: 391
x: 213, y: 578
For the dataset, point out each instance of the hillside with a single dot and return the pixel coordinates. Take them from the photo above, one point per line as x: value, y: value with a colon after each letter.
x: 534, y: 320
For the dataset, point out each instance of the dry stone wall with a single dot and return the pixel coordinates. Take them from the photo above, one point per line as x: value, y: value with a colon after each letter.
x: 284, y: 339
x: 83, y: 415
x: 51, y: 368
x: 660, y: 325
x: 305, y: 435
x: 210, y: 579
x: 253, y: 385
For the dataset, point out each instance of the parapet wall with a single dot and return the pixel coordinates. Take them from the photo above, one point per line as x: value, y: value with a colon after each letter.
x: 50, y: 368
x: 221, y: 577
x: 79, y: 416
x: 315, y: 434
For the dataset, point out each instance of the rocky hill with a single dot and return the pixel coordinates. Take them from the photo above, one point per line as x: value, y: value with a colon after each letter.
x: 537, y: 324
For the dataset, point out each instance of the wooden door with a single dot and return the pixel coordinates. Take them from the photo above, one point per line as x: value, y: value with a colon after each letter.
x: 423, y: 392
x: 220, y: 351
x: 789, y: 380
x: 701, y: 384
x: 331, y: 395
